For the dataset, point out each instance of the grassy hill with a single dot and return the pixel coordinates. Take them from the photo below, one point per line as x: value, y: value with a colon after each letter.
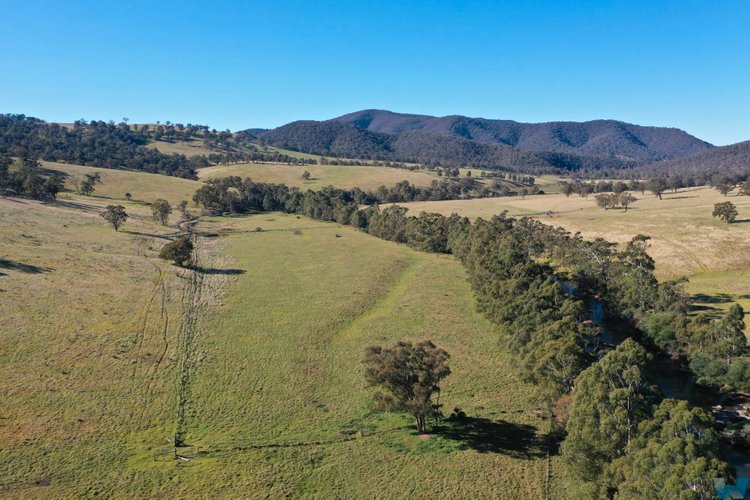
x: 365, y: 177
x: 263, y: 347
x: 187, y: 148
x: 142, y: 186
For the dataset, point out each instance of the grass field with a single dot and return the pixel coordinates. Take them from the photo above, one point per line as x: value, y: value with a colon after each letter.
x: 187, y: 148
x: 88, y: 354
x: 103, y: 341
x: 685, y: 238
x: 142, y: 186
x: 366, y: 178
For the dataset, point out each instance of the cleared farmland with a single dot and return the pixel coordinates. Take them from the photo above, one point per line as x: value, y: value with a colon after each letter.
x: 142, y: 186
x: 342, y: 176
x: 254, y: 362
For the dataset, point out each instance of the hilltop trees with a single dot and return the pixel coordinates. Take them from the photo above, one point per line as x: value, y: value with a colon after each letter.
x: 28, y: 181
x: 96, y: 144
x: 725, y: 211
x: 115, y: 215
x: 410, y: 375
x: 160, y: 210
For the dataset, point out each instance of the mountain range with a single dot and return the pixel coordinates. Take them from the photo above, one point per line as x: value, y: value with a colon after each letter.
x: 598, y: 147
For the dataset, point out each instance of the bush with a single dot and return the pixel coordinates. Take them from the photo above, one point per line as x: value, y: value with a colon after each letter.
x: 180, y: 251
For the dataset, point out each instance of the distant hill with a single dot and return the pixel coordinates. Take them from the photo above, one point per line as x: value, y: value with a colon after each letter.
x: 599, y: 138
x: 733, y: 159
x: 333, y: 138
x: 602, y: 145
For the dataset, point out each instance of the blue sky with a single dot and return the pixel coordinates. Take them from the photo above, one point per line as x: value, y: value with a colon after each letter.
x: 261, y: 64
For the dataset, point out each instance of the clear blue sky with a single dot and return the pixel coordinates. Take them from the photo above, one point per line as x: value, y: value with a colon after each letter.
x: 261, y: 64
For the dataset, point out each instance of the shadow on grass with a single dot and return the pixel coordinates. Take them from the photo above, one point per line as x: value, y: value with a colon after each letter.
x: 488, y: 436
x: 149, y: 235
x: 228, y: 272
x: 77, y: 205
x: 740, y: 221
x: 22, y: 268
x: 680, y: 197
x: 719, y: 298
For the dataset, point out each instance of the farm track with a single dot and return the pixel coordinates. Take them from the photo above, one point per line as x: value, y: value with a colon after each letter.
x: 688, y: 254
x: 191, y: 299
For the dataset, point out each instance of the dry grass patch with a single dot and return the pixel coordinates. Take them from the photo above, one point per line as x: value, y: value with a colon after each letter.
x: 142, y: 186
x: 685, y: 238
x: 364, y: 177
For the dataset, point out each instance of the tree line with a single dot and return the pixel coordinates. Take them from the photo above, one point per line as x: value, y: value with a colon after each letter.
x: 29, y: 180
x: 96, y: 143
x: 539, y: 285
x: 235, y: 195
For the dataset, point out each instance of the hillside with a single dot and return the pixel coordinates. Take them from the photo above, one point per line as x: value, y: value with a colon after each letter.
x: 338, y: 139
x: 598, y: 138
x: 275, y: 324
x: 601, y: 146
x: 733, y: 159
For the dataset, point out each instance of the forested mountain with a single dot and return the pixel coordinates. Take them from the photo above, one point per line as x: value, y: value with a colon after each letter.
x: 601, y: 145
x: 333, y: 138
x: 601, y: 138
x: 733, y: 159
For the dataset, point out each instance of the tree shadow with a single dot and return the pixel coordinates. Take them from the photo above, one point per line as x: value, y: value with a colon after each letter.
x: 227, y: 272
x: 22, y: 268
x: 719, y: 298
x: 488, y: 436
x: 740, y: 221
x: 149, y: 235
x: 77, y: 205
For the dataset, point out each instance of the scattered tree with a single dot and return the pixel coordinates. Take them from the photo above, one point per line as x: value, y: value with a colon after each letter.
x: 179, y: 251
x: 626, y: 199
x: 87, y: 183
x: 160, y: 210
x: 115, y: 215
x: 657, y: 186
x: 128, y: 197
x: 182, y: 207
x: 619, y: 187
x: 410, y: 375
x: 725, y: 211
x: 722, y: 183
x: 306, y: 175
x: 606, y: 201
x: 674, y: 183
